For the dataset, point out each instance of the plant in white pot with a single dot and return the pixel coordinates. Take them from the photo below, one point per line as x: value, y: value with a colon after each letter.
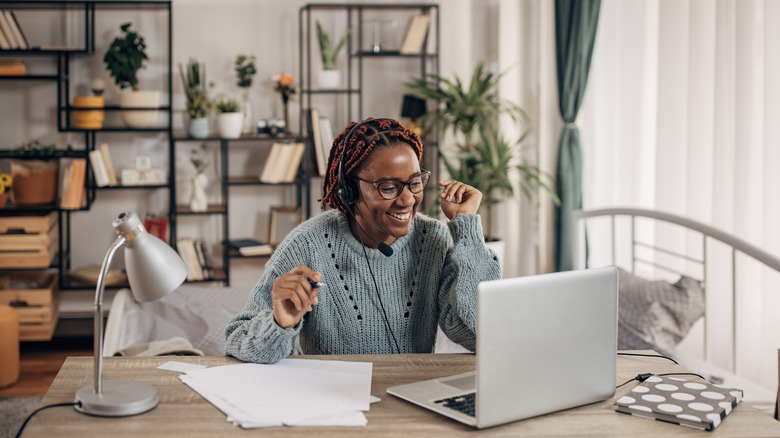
x: 245, y: 71
x: 483, y: 157
x: 229, y: 120
x: 193, y: 79
x: 329, y: 77
x: 124, y: 57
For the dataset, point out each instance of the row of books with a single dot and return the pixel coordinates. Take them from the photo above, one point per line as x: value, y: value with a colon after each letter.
x: 11, y: 36
x: 73, y: 195
x: 283, y: 163
x: 251, y: 247
x: 100, y: 159
x: 414, y: 38
x: 193, y: 252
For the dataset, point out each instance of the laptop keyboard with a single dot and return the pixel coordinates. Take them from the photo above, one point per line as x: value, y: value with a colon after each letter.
x: 461, y: 403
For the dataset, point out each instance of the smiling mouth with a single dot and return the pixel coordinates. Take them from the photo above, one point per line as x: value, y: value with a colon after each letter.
x: 402, y: 217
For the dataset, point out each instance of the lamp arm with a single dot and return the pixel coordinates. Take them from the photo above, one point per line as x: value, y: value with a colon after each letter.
x: 98, y: 323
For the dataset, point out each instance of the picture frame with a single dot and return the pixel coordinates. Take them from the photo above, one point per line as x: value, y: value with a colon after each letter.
x: 143, y: 162
x: 130, y: 177
x: 274, y: 223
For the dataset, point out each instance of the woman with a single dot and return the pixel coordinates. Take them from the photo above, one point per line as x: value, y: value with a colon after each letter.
x: 387, y: 274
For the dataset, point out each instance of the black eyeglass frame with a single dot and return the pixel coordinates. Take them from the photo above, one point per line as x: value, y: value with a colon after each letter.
x: 399, y: 190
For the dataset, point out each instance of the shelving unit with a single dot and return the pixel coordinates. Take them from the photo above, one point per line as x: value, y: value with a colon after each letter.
x: 81, y: 15
x: 222, y: 209
x: 355, y: 92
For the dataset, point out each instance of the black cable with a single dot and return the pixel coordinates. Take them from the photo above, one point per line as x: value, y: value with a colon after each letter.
x: 376, y: 287
x: 643, y: 377
x: 18, y: 434
x: 649, y: 355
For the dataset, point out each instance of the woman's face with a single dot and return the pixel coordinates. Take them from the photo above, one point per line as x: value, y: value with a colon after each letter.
x: 387, y: 220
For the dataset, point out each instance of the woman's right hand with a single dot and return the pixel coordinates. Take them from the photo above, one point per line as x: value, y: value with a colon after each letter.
x: 292, y: 295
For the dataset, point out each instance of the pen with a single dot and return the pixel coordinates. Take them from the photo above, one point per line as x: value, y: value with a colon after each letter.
x: 316, y: 284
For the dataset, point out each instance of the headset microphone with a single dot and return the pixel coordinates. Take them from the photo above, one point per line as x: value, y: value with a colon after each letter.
x: 381, y: 246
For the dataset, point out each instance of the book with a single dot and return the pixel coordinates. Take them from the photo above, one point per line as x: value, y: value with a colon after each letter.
x: 7, y: 31
x: 106, y: 155
x: 326, y: 132
x: 203, y: 260
x: 101, y: 176
x: 250, y: 247
x: 294, y: 163
x: 316, y: 140
x: 700, y: 405
x: 4, y: 43
x: 21, y: 41
x: 75, y: 192
x: 415, y: 35
x: 186, y: 249
x: 12, y: 68
x: 89, y: 274
x: 270, y: 163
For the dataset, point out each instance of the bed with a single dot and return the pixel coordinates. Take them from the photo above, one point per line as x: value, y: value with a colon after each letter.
x: 667, y: 298
x: 683, y: 292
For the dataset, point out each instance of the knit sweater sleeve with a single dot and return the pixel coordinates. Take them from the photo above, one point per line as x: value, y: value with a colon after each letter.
x: 468, y: 262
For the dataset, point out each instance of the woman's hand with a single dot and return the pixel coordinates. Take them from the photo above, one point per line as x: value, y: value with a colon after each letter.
x: 292, y: 295
x: 459, y: 198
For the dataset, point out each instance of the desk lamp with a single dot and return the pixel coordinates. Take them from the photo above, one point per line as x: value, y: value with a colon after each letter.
x: 413, y: 107
x: 153, y: 270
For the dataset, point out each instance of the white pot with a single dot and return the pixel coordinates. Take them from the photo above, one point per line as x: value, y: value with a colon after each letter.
x: 329, y: 78
x: 230, y: 125
x: 139, y: 99
x: 499, y: 247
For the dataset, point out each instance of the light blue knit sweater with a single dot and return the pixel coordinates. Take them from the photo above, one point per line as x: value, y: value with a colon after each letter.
x: 431, y: 278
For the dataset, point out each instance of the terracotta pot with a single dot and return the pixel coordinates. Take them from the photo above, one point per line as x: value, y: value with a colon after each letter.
x: 35, y: 181
x: 139, y: 99
x: 92, y: 119
x: 3, y: 199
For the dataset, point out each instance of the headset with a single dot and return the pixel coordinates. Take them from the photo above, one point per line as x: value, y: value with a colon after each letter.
x: 347, y: 191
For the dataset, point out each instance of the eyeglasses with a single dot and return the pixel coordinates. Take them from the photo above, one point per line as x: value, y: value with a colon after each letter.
x: 392, y: 188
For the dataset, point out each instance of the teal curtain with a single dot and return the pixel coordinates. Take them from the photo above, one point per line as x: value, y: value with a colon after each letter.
x: 575, y: 33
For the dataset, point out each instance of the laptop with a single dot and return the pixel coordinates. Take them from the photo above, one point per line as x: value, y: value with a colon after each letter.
x: 545, y: 343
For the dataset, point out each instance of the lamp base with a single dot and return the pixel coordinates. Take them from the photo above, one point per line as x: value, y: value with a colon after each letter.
x: 120, y: 398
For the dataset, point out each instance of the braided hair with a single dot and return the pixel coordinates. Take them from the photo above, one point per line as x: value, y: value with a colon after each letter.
x: 367, y: 136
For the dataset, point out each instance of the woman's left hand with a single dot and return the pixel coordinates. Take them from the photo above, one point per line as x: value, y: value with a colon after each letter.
x: 459, y: 198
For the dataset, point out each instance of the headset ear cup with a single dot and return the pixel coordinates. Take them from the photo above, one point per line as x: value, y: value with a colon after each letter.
x: 347, y: 192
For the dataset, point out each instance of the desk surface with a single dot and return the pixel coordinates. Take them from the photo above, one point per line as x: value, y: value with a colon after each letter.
x: 182, y: 412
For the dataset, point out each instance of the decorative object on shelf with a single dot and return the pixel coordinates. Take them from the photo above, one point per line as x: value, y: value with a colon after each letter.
x: 245, y: 70
x: 124, y: 57
x: 284, y: 85
x: 193, y: 79
x: 381, y: 35
x: 329, y: 77
x: 200, y: 181
x: 154, y: 269
x: 35, y: 170
x: 93, y: 118
x: 6, y: 182
x: 413, y: 108
x: 229, y: 120
x: 482, y: 157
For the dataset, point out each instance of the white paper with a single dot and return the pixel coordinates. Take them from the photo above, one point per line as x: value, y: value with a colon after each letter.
x: 292, y: 392
x: 181, y: 367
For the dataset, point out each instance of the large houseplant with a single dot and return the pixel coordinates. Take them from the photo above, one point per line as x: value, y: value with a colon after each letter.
x: 329, y: 77
x: 124, y: 57
x: 193, y: 79
x: 483, y: 157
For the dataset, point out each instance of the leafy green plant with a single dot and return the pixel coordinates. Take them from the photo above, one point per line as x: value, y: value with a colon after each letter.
x: 227, y: 105
x: 35, y: 150
x: 327, y: 51
x: 483, y: 158
x: 245, y: 70
x: 193, y: 78
x: 125, y: 56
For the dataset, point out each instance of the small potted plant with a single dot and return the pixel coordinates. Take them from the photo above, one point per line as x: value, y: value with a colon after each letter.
x: 329, y: 77
x: 124, y: 57
x: 245, y: 71
x: 193, y: 79
x: 6, y: 182
x: 229, y: 119
x: 34, y: 170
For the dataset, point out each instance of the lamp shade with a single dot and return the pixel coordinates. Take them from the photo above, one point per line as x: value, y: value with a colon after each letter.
x: 154, y: 269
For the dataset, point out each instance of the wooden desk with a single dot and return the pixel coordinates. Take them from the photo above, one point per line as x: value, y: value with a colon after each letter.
x: 182, y: 412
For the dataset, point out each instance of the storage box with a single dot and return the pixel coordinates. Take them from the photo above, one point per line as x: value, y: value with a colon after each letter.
x: 28, y: 241
x: 35, y: 296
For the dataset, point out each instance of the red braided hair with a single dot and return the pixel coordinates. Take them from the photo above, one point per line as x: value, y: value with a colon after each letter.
x: 367, y: 136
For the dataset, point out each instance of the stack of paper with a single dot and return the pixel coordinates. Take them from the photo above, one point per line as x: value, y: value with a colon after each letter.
x: 293, y: 392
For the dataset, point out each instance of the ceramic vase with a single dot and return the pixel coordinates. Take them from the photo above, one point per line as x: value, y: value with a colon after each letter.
x: 230, y: 125
x: 329, y: 79
x: 88, y: 119
x: 198, y: 127
x: 139, y: 99
x: 248, y: 124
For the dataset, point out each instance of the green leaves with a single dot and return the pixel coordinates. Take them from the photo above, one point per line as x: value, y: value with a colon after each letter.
x: 245, y: 70
x: 327, y: 51
x: 193, y: 79
x: 125, y: 56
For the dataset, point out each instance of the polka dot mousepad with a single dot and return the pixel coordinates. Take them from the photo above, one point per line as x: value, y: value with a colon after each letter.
x: 695, y: 404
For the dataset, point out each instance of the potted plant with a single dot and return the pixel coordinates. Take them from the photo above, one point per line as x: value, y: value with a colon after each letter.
x: 124, y: 57
x: 245, y: 71
x: 193, y: 79
x: 229, y: 120
x: 482, y: 157
x: 329, y: 77
x: 34, y: 170
x: 92, y: 118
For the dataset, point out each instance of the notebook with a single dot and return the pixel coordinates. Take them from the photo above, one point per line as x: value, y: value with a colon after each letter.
x: 545, y: 343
